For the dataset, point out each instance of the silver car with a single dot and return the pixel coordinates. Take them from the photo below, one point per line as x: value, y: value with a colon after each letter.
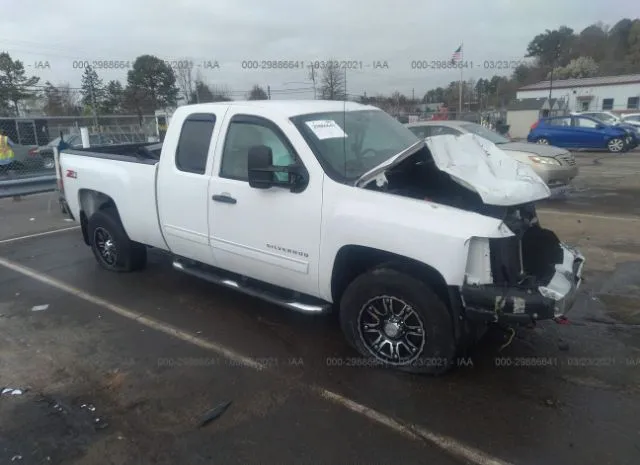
x: 556, y: 166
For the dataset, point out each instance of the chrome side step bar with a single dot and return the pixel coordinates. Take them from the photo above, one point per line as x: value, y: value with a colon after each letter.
x: 316, y: 308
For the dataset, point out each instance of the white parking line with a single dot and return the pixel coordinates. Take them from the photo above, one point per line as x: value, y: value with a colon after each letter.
x: 588, y: 215
x: 415, y: 432
x: 46, y: 233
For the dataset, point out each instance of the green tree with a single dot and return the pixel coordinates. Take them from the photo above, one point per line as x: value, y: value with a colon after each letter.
x: 113, y: 98
x: 633, y: 46
x: 618, y: 39
x: 92, y: 89
x: 553, y: 47
x: 15, y: 86
x: 151, y: 85
x: 257, y: 93
x: 592, y: 42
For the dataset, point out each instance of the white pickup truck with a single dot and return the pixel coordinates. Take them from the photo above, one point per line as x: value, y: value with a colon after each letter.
x: 313, y: 205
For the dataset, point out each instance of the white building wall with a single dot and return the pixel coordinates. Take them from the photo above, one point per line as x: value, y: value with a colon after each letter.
x: 619, y: 93
x: 520, y: 122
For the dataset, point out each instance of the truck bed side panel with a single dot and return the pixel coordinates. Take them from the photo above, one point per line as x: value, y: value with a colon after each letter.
x: 132, y: 186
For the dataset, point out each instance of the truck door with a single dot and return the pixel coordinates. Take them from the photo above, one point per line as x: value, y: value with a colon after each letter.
x: 268, y: 234
x: 183, y: 182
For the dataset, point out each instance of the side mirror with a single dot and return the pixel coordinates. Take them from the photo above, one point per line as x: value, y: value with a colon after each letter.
x: 260, y: 167
x: 261, y: 171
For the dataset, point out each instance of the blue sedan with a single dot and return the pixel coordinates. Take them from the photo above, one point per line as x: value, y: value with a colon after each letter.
x: 581, y: 132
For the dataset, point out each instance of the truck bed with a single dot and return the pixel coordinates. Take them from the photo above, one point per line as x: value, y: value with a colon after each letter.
x: 148, y: 153
x: 128, y: 178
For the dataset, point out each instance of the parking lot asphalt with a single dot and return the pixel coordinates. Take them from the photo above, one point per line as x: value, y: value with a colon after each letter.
x: 153, y: 351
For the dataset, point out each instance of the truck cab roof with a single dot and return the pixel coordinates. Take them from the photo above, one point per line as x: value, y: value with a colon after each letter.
x: 286, y: 108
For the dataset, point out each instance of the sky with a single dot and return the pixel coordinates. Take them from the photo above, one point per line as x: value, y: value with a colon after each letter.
x: 381, y: 43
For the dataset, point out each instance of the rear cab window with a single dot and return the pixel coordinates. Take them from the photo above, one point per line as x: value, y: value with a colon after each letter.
x: 193, y: 146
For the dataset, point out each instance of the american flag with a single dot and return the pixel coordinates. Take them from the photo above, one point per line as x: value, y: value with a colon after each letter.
x: 457, y: 55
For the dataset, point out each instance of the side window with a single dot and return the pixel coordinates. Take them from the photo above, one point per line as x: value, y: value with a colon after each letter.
x: 586, y: 123
x: 193, y: 146
x: 421, y: 131
x: 241, y: 136
x: 442, y: 130
x: 559, y: 122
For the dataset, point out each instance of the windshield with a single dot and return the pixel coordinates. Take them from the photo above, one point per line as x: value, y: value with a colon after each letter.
x: 348, y: 144
x: 485, y: 133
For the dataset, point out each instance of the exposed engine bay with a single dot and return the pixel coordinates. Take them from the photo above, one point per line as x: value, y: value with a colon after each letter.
x: 520, y: 264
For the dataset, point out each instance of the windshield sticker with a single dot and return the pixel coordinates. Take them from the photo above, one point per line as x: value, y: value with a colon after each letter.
x: 326, y: 129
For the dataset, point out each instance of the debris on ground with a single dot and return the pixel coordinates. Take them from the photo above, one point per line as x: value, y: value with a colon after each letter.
x: 39, y: 308
x: 214, y: 413
x: 12, y: 391
x: 16, y: 457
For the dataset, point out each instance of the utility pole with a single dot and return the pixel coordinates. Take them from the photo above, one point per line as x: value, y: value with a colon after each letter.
x: 556, y: 55
x: 93, y: 107
x: 345, y: 83
x: 269, y: 92
x: 313, y: 80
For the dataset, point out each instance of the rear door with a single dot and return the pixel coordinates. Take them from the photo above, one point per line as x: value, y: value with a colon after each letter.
x: 272, y: 235
x: 183, y: 183
x: 586, y: 132
x: 557, y: 131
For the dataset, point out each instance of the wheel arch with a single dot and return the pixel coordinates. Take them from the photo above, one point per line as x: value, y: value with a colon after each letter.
x: 353, y: 260
x: 91, y: 201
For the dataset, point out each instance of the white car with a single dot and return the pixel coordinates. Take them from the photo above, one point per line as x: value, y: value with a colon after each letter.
x: 631, y: 118
x: 608, y: 117
x: 315, y: 204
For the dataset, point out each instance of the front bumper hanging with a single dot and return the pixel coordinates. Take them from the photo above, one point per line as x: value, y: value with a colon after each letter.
x: 517, y: 304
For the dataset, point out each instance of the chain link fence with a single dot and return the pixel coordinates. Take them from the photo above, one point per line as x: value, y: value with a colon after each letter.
x: 30, y: 167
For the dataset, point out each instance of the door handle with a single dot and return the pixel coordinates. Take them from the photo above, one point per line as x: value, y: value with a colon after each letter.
x: 224, y: 198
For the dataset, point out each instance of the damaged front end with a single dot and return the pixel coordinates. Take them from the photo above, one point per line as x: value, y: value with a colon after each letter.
x: 523, y: 278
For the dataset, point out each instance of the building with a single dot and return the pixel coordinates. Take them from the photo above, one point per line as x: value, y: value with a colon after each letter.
x: 613, y: 93
x: 521, y: 114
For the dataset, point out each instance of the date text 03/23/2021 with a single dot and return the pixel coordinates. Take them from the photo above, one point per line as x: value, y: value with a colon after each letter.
x: 450, y: 64
x: 315, y: 64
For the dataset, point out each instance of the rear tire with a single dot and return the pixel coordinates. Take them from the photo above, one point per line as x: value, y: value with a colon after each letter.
x: 111, y: 246
x: 542, y: 141
x: 395, y: 320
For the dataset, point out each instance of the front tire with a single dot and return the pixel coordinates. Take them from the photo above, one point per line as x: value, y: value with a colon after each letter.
x: 542, y: 141
x: 111, y: 246
x: 396, y: 320
x: 616, y: 145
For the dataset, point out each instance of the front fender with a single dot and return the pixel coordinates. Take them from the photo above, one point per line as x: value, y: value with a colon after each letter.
x: 430, y: 233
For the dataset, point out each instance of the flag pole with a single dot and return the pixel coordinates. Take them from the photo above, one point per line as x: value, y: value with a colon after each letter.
x: 460, y: 84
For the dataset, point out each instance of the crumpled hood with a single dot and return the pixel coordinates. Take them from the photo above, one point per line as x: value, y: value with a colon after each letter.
x: 479, y: 165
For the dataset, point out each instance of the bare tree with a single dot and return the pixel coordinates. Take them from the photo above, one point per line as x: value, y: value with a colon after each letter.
x: 313, y: 77
x: 61, y: 100
x: 221, y: 93
x: 333, y: 82
x: 257, y: 93
x: 185, y: 80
